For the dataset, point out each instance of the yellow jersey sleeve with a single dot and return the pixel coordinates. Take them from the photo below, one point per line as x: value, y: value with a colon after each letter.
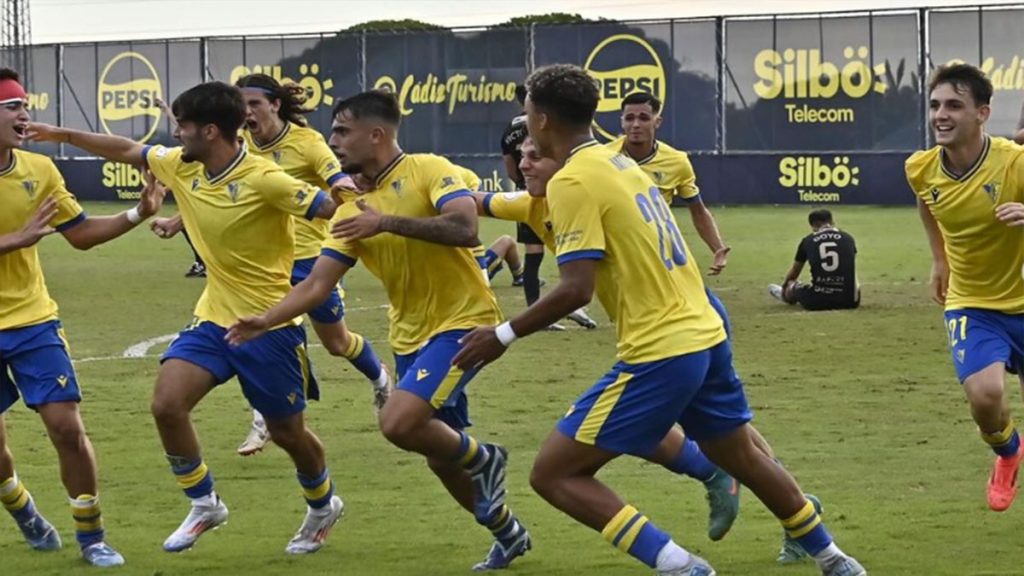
x: 322, y: 159
x: 576, y: 221
x: 687, y: 188
x: 514, y: 206
x: 163, y: 162
x: 289, y: 195
x: 469, y: 177
x: 342, y: 249
x: 444, y: 182
x: 69, y: 211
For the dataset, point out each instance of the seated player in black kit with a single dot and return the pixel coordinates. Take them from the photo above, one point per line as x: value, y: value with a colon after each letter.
x: 832, y: 254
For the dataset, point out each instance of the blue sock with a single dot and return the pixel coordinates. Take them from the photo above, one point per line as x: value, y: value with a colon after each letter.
x: 692, y: 462
x: 631, y: 532
x: 193, y: 477
x: 1004, y: 443
x: 360, y: 353
x: 317, y: 491
x: 807, y: 529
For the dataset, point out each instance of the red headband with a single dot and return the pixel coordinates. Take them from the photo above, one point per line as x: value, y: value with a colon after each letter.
x: 11, y: 91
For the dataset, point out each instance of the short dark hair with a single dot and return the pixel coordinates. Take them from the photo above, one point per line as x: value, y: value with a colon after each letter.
x: 521, y: 94
x: 566, y: 92
x: 9, y: 74
x: 963, y: 78
x: 642, y: 98
x: 820, y: 216
x: 214, y: 103
x: 375, y: 104
x: 291, y: 96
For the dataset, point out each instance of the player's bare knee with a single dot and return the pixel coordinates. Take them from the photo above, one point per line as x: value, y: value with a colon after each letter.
x: 167, y: 409
x: 67, y: 434
x: 338, y: 344
x: 399, y: 431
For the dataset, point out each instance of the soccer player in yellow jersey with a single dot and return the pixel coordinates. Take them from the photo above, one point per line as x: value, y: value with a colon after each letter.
x: 413, y: 229
x: 970, y: 196
x: 503, y: 249
x: 275, y: 129
x: 670, y: 169
x: 615, y: 235
x: 34, y: 359
x: 238, y: 208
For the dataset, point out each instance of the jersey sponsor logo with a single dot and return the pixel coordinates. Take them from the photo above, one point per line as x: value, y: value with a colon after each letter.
x: 422, y: 373
x: 126, y: 96
x: 623, y: 64
x: 816, y: 180
x: 801, y: 74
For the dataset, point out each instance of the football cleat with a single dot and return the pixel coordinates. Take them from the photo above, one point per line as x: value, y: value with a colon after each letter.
x: 40, y: 534
x: 1002, y: 484
x: 499, y: 557
x: 697, y: 566
x: 199, y: 520
x: 382, y: 392
x: 489, y: 483
x: 583, y: 319
x: 255, y: 441
x: 102, y: 555
x: 197, y: 270
x: 316, y: 527
x: 843, y: 566
x: 775, y: 290
x: 723, y: 502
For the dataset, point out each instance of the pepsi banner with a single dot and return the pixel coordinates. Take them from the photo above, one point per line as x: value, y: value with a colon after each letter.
x: 326, y: 67
x: 989, y: 39
x: 676, y: 62
x: 825, y: 83
x: 456, y: 90
x: 112, y: 88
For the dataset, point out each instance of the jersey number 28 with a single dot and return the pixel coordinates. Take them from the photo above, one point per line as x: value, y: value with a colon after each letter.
x: 655, y: 210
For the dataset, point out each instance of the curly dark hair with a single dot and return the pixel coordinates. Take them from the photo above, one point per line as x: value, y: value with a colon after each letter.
x: 565, y: 92
x: 291, y: 95
x: 964, y: 78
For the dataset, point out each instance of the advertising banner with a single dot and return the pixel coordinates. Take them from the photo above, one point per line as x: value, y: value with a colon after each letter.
x: 823, y: 83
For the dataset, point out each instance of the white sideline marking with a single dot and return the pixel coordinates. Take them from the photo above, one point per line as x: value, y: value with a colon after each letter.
x: 141, y: 349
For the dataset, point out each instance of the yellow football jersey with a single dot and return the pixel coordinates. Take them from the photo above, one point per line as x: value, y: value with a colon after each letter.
x: 521, y: 207
x: 603, y: 207
x: 431, y: 288
x: 303, y: 154
x: 986, y: 257
x: 670, y: 169
x: 24, y: 185
x: 240, y: 222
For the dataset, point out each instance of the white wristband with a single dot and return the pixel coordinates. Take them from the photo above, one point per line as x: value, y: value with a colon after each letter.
x: 133, y: 215
x: 505, y: 334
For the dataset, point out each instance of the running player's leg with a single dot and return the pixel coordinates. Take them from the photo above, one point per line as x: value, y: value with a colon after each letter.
x: 428, y: 414
x: 983, y: 344
x: 17, y: 500
x: 718, y: 419
x: 41, y: 366
x: 278, y: 380
x: 339, y: 341
x: 647, y: 399
x: 194, y: 363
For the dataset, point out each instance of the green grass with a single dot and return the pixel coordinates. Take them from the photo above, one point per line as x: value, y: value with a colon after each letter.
x: 863, y: 407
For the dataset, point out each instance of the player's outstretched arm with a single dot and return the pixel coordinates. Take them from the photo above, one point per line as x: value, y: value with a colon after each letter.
x: 305, y: 296
x: 456, y: 225
x: 96, y: 230
x: 479, y: 198
x: 793, y: 273
x: 114, y: 148
x: 707, y: 228
x: 939, y: 283
x: 34, y: 230
x: 575, y: 290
